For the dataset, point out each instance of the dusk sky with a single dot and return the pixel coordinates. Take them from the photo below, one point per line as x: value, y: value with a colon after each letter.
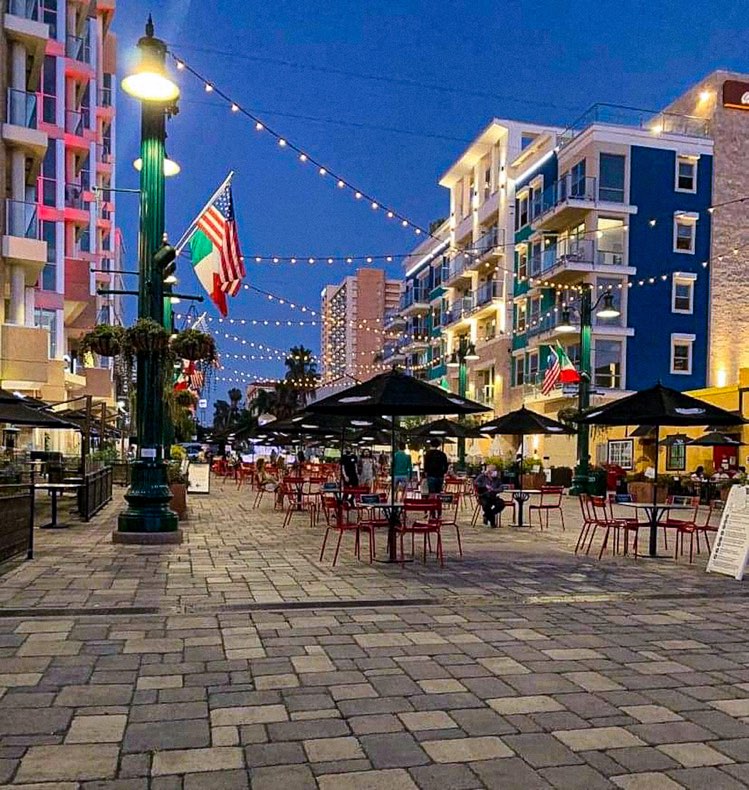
x: 354, y: 84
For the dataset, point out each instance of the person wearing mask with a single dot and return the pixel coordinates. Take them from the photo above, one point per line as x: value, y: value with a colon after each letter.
x: 435, y: 467
x: 350, y: 469
x: 366, y: 468
x: 402, y: 467
x: 488, y: 488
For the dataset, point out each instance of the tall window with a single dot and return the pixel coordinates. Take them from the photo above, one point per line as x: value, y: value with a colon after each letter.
x: 49, y: 15
x: 608, y: 364
x: 49, y: 89
x: 685, y: 232
x: 49, y: 272
x: 49, y: 175
x: 519, y: 371
x: 532, y: 361
x: 621, y: 452
x: 676, y: 457
x: 522, y: 262
x: 686, y: 174
x: 682, y: 294
x: 681, y: 354
x: 610, y: 241
x: 611, y: 178
x: 522, y: 219
x: 521, y: 313
x: 47, y: 319
x: 577, y: 180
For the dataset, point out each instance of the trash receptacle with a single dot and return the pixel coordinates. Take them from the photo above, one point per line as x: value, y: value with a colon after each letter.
x: 54, y: 472
x: 598, y: 482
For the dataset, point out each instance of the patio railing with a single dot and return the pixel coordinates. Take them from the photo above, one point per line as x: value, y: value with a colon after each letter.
x: 95, y: 492
x: 17, y: 523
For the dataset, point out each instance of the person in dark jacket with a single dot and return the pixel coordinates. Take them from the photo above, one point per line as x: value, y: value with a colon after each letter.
x: 350, y: 469
x: 435, y: 467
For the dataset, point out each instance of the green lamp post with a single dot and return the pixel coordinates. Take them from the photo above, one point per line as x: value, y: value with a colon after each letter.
x: 147, y: 517
x: 581, y: 479
x: 464, y: 353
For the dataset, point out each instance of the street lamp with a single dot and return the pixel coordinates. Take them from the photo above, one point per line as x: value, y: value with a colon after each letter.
x: 171, y: 168
x: 147, y: 518
x: 586, y: 308
x: 465, y: 352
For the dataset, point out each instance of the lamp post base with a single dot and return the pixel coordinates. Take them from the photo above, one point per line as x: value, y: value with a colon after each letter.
x: 147, y: 538
x: 581, y: 483
x: 148, y: 501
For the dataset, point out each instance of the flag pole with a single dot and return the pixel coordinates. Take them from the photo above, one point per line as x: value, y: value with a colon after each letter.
x: 188, y: 234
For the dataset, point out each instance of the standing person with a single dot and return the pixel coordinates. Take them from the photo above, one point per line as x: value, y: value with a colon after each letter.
x: 349, y: 469
x: 402, y: 467
x: 488, y: 487
x: 366, y: 468
x: 435, y: 467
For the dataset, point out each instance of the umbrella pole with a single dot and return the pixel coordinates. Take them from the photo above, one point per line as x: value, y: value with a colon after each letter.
x: 654, y: 513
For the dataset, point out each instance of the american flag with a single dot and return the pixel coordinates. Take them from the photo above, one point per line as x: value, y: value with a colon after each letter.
x: 551, y: 377
x: 196, y: 378
x: 217, y: 222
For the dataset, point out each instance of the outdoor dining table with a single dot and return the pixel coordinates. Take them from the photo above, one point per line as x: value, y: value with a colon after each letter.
x: 55, y: 489
x: 392, y: 512
x: 654, y: 513
x: 521, y: 497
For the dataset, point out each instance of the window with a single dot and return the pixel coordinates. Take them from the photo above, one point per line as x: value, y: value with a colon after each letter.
x: 487, y: 181
x: 681, y: 354
x: 526, y: 138
x: 522, y: 262
x: 521, y: 313
x: 532, y: 361
x: 608, y: 364
x: 613, y: 286
x: 676, y: 457
x: 685, y: 230
x: 611, y: 178
x: 49, y: 15
x: 621, y: 452
x: 686, y: 174
x: 49, y: 175
x: 535, y: 314
x: 611, y: 241
x: 49, y: 89
x: 577, y: 180
x: 48, y: 280
x: 535, y: 259
x: 519, y: 371
x: 47, y: 319
x: 682, y: 293
x: 522, y: 210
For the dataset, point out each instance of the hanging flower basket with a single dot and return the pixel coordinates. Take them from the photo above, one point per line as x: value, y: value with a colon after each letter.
x: 147, y: 336
x: 194, y: 345
x: 104, y: 340
x: 186, y: 398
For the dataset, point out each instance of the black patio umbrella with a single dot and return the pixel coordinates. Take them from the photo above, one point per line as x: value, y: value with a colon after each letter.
x: 16, y: 411
x: 660, y: 406
x: 523, y: 422
x: 715, y: 439
x: 394, y: 394
x: 440, y: 429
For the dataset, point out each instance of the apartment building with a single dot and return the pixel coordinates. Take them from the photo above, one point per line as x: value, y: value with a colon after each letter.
x: 352, y: 337
x: 58, y: 63
x: 458, y: 282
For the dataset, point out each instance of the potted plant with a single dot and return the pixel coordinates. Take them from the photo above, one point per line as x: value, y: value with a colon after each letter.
x: 178, y: 481
x: 185, y: 398
x: 104, y: 340
x: 148, y: 336
x: 194, y: 345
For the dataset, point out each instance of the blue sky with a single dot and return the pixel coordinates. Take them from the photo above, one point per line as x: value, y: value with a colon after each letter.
x: 390, y: 136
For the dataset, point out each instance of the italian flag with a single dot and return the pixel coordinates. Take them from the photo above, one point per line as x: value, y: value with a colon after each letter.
x: 568, y: 372
x: 206, y: 261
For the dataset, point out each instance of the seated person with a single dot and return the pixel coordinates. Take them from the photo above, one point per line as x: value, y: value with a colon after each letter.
x: 265, y: 481
x: 698, y: 475
x: 488, y: 488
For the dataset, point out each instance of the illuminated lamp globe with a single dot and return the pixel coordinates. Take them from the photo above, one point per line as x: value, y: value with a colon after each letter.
x: 171, y: 168
x: 150, y: 81
x: 565, y: 327
x: 453, y: 361
x: 470, y: 354
x: 608, y: 310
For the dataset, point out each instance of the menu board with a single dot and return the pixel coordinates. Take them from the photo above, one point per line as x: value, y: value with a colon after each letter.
x: 731, y: 548
x: 199, y: 476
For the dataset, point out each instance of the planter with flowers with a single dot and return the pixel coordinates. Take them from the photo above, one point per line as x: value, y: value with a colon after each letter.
x: 194, y: 345
x: 105, y: 340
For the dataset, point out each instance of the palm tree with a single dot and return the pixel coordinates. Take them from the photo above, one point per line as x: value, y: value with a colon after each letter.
x: 301, y: 372
x: 235, y: 396
x: 221, y: 415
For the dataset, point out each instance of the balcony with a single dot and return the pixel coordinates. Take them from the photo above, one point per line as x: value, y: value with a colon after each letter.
x: 487, y: 292
x: 460, y: 309
x: 104, y: 157
x: 485, y: 394
x: 415, y: 301
x: 78, y: 57
x: 490, y: 243
x: 22, y: 243
x: 20, y: 130
x: 78, y: 288
x: 567, y: 260
x: 393, y: 352
x: 21, y: 23
x: 76, y: 129
x: 76, y: 206
x: 457, y: 269
x: 393, y: 318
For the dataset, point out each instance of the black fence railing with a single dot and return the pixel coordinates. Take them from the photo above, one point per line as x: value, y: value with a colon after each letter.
x: 17, y: 522
x: 95, y: 492
x: 121, y: 473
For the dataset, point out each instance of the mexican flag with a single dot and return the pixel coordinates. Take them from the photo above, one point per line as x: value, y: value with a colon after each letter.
x: 568, y: 372
x: 206, y: 261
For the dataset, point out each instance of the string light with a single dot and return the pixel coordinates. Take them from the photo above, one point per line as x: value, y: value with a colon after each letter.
x: 322, y: 169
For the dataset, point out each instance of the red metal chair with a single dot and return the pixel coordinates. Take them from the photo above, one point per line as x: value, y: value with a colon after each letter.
x: 431, y: 512
x: 450, y: 505
x: 693, y: 529
x: 332, y: 506
x: 551, y: 499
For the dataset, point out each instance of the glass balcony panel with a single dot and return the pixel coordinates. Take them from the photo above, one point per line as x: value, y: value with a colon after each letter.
x: 22, y: 108
x: 28, y: 9
x: 21, y: 219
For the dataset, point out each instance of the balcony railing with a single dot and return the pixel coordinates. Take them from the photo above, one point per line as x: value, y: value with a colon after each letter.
x: 487, y: 242
x: 486, y: 292
x: 580, y: 251
x: 391, y: 350
x: 78, y: 48
x: 21, y: 219
x: 28, y: 9
x: 414, y: 296
x: 459, y: 309
x: 22, y: 108
x: 105, y: 97
x: 486, y: 394
x: 569, y: 187
x: 74, y: 196
x: 657, y: 123
x: 392, y: 315
x: 74, y: 122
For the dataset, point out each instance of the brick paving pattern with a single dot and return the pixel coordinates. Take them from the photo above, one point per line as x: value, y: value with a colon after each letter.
x: 519, y: 666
